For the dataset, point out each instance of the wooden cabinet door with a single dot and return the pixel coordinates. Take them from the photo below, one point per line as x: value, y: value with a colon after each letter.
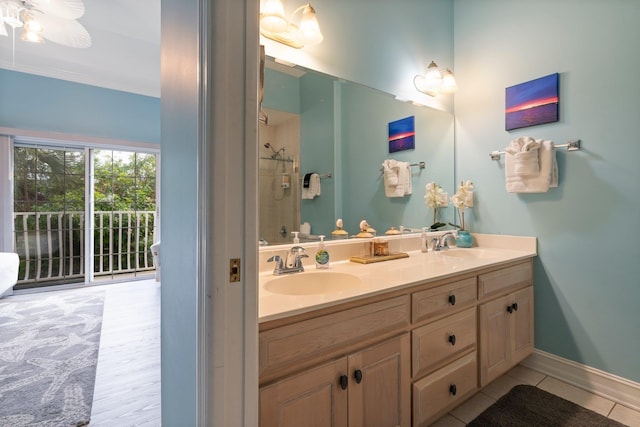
x: 312, y: 398
x: 495, y: 344
x: 506, y: 333
x: 380, y: 385
x: 522, y: 325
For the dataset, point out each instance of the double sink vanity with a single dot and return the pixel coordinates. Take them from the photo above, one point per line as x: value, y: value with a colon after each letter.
x: 394, y: 343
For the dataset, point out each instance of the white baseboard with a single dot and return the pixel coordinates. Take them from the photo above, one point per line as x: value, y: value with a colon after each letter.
x: 609, y: 386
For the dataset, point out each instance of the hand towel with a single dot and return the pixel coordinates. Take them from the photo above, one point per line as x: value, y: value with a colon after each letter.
x: 405, y: 175
x: 397, y: 178
x: 393, y: 187
x: 314, y: 188
x: 546, y: 178
x: 525, y: 156
x: 306, y: 180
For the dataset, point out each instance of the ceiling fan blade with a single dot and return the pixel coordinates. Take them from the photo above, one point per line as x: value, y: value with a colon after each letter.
x: 67, y: 9
x: 67, y: 32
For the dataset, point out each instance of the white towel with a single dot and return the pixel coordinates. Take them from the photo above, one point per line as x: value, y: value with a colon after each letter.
x: 525, y: 156
x: 314, y: 187
x: 405, y: 176
x: 547, y: 176
x: 397, y: 178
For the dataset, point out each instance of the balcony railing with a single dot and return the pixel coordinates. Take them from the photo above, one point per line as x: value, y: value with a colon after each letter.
x: 51, y: 245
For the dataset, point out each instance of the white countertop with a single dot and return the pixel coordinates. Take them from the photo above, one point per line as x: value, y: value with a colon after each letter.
x: 384, y: 276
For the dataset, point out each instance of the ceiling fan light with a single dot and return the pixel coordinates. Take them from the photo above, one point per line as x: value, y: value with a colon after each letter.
x: 31, y: 36
x: 32, y: 29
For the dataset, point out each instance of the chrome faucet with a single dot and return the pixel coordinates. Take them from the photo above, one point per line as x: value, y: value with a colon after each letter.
x: 292, y: 262
x: 440, y: 244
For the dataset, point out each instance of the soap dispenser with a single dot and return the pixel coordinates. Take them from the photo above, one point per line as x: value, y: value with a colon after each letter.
x: 322, y: 256
x: 423, y: 240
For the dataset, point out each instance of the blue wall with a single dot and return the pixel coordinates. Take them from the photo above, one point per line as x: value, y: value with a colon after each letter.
x: 587, y: 273
x: 317, y: 149
x: 366, y: 115
x: 382, y: 45
x: 37, y: 103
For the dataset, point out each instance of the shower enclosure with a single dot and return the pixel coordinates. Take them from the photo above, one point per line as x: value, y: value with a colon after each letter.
x: 279, y: 177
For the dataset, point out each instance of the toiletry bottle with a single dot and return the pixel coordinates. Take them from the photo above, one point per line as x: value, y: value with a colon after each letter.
x: 322, y: 256
x: 423, y: 240
x: 296, y: 239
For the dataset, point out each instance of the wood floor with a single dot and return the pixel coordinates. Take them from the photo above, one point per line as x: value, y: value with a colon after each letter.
x: 127, y: 390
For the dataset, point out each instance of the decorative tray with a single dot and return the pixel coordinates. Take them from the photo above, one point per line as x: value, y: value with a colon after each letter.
x: 379, y: 258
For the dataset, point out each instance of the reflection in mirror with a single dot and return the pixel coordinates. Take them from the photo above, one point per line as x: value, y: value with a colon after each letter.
x: 279, y: 183
x: 318, y: 123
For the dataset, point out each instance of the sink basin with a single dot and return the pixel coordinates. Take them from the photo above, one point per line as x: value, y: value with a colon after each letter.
x: 468, y: 253
x: 313, y: 283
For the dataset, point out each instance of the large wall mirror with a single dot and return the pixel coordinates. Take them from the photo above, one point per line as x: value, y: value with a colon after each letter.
x: 315, y: 123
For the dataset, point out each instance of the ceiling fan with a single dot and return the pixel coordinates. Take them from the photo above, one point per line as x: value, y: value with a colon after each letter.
x: 53, y: 20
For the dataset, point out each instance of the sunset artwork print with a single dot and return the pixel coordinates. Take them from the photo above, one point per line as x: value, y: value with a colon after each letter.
x: 532, y: 103
x: 402, y: 134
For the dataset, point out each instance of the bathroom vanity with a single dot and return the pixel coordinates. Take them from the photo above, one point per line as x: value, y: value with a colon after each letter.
x: 420, y: 336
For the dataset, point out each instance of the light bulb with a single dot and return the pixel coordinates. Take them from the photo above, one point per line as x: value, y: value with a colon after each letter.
x: 449, y: 82
x: 272, y: 17
x: 309, y: 32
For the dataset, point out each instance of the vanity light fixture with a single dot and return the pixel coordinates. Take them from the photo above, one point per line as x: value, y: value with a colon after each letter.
x: 435, y: 81
x: 274, y: 26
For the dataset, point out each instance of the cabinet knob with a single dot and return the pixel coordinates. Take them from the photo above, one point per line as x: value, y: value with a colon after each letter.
x: 452, y: 339
x: 452, y: 299
x: 453, y: 389
x: 515, y: 306
x: 358, y: 376
x: 344, y: 381
x: 510, y: 309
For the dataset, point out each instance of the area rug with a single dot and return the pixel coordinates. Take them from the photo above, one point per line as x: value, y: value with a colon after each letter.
x: 48, y: 355
x: 526, y: 405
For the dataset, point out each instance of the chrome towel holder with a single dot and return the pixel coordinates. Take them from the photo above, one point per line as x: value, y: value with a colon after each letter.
x: 572, y: 145
x: 421, y: 165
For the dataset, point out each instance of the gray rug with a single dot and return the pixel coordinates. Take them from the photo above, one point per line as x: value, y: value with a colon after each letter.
x: 526, y: 405
x: 48, y: 355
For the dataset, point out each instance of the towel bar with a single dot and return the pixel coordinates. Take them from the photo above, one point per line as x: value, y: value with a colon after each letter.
x: 572, y: 145
x: 321, y: 176
x: 421, y: 165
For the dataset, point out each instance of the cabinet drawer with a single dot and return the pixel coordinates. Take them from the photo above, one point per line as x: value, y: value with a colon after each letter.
x: 442, y: 340
x: 302, y: 344
x: 442, y: 300
x: 503, y: 280
x: 437, y: 393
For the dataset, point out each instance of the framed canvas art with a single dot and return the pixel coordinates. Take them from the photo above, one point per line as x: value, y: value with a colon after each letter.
x: 402, y: 134
x: 532, y: 103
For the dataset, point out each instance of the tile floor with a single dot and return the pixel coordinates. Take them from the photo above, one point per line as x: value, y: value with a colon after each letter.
x: 466, y: 412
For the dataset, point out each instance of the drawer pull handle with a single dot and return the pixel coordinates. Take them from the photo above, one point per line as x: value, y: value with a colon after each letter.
x: 452, y: 299
x: 453, y: 389
x: 358, y: 376
x: 344, y: 381
x: 452, y: 339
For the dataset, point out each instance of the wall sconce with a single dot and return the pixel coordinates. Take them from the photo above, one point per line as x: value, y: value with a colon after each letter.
x: 435, y: 82
x: 274, y: 26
